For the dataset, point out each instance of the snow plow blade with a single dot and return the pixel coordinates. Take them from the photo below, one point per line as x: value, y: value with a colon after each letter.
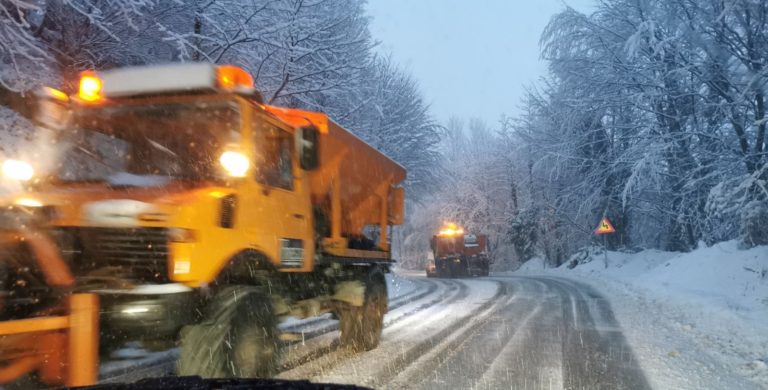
x: 44, y: 329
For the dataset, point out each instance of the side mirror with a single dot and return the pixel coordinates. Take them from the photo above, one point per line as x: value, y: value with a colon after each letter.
x: 309, y: 148
x: 51, y: 109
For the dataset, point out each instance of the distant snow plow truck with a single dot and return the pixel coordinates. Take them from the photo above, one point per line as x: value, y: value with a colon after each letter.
x: 199, y: 215
x: 458, y: 254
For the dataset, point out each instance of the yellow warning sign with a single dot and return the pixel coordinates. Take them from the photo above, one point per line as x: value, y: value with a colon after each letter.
x: 605, y: 227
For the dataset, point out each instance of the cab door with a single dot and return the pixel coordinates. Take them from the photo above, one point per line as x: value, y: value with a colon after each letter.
x: 284, y: 196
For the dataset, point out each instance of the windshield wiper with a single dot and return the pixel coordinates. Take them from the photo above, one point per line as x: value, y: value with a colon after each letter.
x: 198, y: 383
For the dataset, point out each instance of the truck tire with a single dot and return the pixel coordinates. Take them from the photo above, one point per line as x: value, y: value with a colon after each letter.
x: 236, y: 339
x: 361, y: 326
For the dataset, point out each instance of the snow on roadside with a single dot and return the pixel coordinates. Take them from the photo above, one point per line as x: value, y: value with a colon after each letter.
x: 408, y: 339
x: 398, y: 286
x: 695, y: 320
x: 533, y: 265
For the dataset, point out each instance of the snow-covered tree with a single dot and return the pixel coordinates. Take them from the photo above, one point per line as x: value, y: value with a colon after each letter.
x: 475, y: 191
x: 387, y: 110
x: 37, y: 36
x: 651, y: 112
x: 312, y: 54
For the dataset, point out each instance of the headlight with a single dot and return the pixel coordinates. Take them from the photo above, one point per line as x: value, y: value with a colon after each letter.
x: 18, y: 170
x: 235, y: 163
x: 28, y: 202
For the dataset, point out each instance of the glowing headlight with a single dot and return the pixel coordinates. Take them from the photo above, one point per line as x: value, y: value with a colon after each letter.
x: 135, y: 310
x: 235, y: 163
x: 28, y: 202
x: 18, y: 170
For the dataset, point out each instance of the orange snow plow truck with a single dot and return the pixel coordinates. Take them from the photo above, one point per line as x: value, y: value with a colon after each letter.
x: 198, y: 216
x: 457, y: 254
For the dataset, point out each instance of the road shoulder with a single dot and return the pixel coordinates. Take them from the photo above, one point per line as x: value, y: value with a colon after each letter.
x: 679, y: 345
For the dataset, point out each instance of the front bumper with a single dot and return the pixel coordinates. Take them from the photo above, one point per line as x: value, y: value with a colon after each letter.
x: 147, y: 316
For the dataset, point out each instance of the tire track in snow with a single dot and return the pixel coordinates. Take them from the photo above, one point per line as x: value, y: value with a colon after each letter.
x: 594, y: 356
x: 532, y: 357
x: 429, y: 371
x: 547, y: 334
x: 397, y: 354
x: 504, y: 350
x: 319, y: 326
x: 326, y: 351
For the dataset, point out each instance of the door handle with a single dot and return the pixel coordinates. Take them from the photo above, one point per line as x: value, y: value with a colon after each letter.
x: 298, y: 216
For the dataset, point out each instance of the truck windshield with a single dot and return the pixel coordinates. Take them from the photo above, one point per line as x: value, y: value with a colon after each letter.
x: 141, y: 145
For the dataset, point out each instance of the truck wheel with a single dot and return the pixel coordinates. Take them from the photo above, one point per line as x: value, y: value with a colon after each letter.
x: 361, y: 326
x: 237, y: 338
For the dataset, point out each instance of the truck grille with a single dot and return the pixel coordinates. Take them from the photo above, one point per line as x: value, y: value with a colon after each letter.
x: 130, y: 253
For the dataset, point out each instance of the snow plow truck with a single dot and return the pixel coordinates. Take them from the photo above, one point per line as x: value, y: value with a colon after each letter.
x: 199, y: 216
x: 457, y: 254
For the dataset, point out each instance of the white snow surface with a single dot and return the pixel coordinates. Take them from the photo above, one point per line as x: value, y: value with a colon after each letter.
x: 533, y: 265
x: 695, y: 320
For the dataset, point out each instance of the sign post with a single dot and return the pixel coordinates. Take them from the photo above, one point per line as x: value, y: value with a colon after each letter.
x: 603, y: 229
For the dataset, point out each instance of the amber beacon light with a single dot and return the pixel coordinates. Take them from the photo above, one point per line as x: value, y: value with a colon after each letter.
x: 90, y: 87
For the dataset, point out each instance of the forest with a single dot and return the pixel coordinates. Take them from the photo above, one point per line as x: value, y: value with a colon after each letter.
x: 652, y: 113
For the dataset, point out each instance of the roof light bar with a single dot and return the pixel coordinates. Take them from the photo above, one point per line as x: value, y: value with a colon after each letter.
x: 162, y: 79
x: 450, y: 230
x: 233, y: 78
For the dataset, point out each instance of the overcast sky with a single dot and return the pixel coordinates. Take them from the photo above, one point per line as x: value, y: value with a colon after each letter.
x: 472, y: 58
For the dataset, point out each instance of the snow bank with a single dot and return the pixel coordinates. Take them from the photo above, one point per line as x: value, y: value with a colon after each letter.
x: 720, y: 277
x: 695, y: 319
x: 535, y: 264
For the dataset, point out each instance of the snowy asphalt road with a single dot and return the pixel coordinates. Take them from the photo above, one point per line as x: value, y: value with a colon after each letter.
x: 487, y: 333
x: 547, y: 334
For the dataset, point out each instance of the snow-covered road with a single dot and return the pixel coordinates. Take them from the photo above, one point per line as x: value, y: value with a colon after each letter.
x: 498, y: 332
x: 505, y: 332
